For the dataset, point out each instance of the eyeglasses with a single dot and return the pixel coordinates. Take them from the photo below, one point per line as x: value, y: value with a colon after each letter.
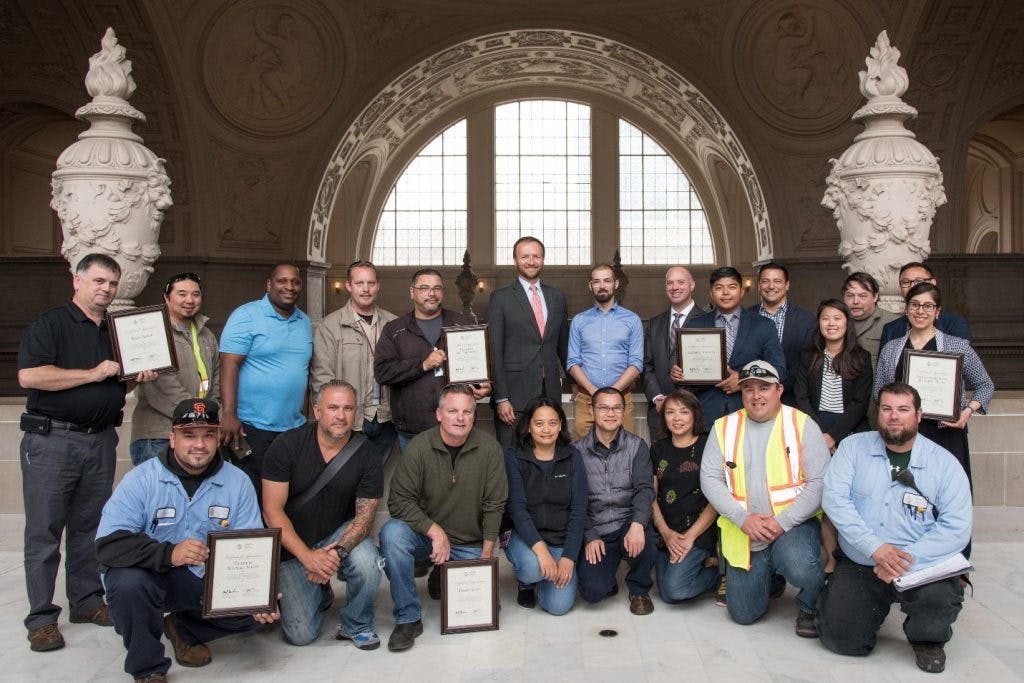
x: 758, y: 372
x: 424, y: 289
x: 927, y: 307
x: 609, y: 409
x: 179, y: 278
x: 915, y: 281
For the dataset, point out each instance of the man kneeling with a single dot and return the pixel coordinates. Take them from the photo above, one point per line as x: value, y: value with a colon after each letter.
x: 151, y: 544
x: 321, y: 485
x: 900, y: 503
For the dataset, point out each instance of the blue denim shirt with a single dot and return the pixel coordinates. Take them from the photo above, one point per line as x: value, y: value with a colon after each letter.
x: 867, y: 506
x: 605, y: 344
x: 150, y: 499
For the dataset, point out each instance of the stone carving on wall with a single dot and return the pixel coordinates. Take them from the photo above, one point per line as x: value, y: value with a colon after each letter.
x: 566, y: 58
x: 884, y: 189
x: 791, y: 63
x: 262, y: 65
x: 109, y: 191
x: 244, y: 219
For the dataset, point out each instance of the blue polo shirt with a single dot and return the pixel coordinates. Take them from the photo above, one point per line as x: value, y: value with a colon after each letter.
x: 605, y: 344
x: 272, y: 380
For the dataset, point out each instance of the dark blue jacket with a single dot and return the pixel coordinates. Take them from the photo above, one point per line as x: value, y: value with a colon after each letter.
x: 953, y: 324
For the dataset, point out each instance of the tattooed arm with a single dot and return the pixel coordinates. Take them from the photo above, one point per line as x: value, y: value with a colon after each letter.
x: 362, y: 523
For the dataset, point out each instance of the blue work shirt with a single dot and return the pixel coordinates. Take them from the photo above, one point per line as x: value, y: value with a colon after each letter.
x: 604, y: 344
x: 151, y: 500
x: 867, y: 507
x: 273, y: 378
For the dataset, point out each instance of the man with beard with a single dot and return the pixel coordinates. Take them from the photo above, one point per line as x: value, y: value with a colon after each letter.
x: 197, y: 375
x: 152, y: 550
x: 264, y: 367
x: 529, y: 329
x: 606, y: 349
x: 900, y: 503
x: 408, y: 358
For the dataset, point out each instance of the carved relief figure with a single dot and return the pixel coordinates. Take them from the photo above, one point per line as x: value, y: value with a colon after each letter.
x: 804, y: 65
x: 275, y: 63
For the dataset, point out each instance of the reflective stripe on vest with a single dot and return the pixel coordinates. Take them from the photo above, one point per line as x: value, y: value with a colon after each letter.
x: 783, y: 472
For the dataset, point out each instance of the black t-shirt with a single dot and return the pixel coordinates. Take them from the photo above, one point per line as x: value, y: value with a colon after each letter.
x: 294, y: 457
x: 679, y: 495
x: 65, y: 337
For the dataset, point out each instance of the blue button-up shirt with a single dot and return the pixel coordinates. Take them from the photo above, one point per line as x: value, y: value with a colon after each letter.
x: 604, y: 344
x: 867, y: 506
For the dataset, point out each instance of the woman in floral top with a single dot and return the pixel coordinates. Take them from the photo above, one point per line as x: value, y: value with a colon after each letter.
x: 682, y: 515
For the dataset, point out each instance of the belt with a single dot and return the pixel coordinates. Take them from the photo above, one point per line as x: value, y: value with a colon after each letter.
x: 71, y: 427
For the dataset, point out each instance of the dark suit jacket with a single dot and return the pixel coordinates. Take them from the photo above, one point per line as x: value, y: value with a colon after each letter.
x: 948, y: 322
x: 658, y: 363
x: 856, y: 397
x: 796, y: 335
x: 524, y: 365
x: 756, y: 339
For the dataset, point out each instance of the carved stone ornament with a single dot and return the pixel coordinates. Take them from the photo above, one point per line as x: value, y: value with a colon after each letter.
x: 884, y: 189
x: 109, y: 191
x: 543, y: 56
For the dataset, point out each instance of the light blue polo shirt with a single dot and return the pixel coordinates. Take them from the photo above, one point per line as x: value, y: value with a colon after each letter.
x: 272, y: 380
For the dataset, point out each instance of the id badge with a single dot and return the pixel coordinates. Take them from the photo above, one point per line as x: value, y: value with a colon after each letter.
x: 915, y: 501
x: 204, y: 387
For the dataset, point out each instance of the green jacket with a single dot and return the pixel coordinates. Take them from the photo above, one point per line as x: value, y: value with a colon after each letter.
x: 466, y: 500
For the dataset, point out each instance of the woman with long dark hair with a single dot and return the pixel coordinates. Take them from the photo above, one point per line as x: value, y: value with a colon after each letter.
x: 833, y: 386
x: 547, y: 505
x: 682, y: 516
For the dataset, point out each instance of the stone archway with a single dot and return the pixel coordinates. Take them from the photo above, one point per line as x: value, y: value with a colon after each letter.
x: 532, y: 57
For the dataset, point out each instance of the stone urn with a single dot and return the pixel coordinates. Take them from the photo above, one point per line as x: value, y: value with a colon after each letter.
x: 109, y: 190
x: 884, y: 189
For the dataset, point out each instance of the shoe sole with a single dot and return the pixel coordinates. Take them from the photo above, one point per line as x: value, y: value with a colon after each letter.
x: 49, y: 647
x: 78, y: 619
x: 366, y: 646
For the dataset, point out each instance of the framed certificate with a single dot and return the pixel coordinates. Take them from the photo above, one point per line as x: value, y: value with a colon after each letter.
x: 469, y: 596
x: 469, y: 354
x: 700, y: 352
x: 938, y: 378
x: 241, y: 572
x: 142, y: 340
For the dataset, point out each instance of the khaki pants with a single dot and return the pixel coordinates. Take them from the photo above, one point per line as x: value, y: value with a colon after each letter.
x: 585, y: 415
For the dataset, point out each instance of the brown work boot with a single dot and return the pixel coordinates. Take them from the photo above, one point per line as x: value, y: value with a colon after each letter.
x: 155, y: 677
x: 185, y: 654
x: 640, y: 605
x: 99, y: 616
x: 45, y: 638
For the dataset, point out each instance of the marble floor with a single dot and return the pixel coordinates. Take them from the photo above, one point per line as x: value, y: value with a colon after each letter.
x: 693, y: 642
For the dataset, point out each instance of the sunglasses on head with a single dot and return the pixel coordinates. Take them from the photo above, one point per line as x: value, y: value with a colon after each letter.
x: 758, y: 372
x: 180, y: 277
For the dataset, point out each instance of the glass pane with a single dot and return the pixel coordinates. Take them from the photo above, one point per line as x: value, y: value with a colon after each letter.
x: 542, y: 178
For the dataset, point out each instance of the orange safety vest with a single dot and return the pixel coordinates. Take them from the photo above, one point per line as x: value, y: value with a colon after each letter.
x: 784, y: 472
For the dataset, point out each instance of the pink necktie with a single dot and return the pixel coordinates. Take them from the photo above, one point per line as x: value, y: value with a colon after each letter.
x: 538, y: 310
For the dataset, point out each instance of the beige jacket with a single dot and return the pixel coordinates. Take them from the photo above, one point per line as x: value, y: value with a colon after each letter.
x: 342, y: 351
x: 157, y: 399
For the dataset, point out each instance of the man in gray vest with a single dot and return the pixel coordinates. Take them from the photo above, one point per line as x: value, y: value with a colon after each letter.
x: 619, y: 512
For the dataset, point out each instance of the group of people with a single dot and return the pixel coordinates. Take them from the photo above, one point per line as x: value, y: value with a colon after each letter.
x: 725, y: 500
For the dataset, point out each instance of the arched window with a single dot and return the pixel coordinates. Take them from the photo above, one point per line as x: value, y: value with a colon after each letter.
x: 543, y: 152
x: 424, y: 218
x: 661, y: 219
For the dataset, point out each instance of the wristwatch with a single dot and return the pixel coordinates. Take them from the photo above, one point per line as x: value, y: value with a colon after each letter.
x: 342, y: 552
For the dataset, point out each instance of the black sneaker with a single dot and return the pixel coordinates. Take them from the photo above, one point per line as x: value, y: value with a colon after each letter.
x: 777, y: 587
x: 434, y: 583
x: 805, y: 626
x: 930, y: 657
x: 404, y: 635
x: 527, y: 597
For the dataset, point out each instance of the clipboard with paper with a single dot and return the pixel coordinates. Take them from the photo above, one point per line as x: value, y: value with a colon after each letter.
x: 951, y: 566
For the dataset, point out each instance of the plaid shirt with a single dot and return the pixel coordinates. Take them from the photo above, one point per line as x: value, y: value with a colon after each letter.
x: 779, y: 317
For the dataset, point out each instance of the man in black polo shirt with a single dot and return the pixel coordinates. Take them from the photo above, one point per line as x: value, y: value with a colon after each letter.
x: 325, y: 524
x: 69, y: 448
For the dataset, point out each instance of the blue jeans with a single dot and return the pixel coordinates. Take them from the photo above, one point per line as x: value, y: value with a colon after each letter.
x: 403, y: 440
x: 685, y: 579
x: 596, y: 581
x: 402, y: 548
x: 302, y: 600
x: 796, y: 555
x: 142, y: 450
x: 552, y: 599
x: 381, y: 436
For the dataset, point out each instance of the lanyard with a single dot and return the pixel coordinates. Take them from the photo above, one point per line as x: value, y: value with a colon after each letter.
x: 204, y: 377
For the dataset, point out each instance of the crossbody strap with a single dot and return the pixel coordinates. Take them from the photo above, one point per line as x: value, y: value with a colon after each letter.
x: 333, y: 467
